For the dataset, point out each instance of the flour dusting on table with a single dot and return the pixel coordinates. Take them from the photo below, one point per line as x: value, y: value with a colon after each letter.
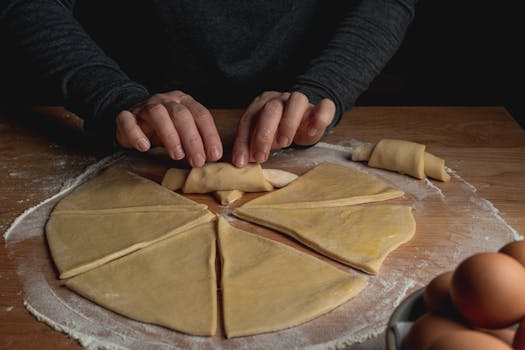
x: 470, y: 224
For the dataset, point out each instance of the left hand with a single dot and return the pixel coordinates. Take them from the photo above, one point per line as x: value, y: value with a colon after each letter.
x: 276, y: 119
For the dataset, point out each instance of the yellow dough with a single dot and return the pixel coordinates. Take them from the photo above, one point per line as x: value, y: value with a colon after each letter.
x: 403, y: 156
x: 328, y: 185
x: 360, y: 236
x: 278, y: 178
x: 112, y: 215
x: 227, y: 197
x: 435, y: 168
x: 224, y: 177
x: 268, y: 286
x: 171, y: 283
x: 174, y: 178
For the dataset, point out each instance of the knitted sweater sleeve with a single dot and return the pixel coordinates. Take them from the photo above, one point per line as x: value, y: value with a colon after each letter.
x: 365, y: 41
x: 62, y: 56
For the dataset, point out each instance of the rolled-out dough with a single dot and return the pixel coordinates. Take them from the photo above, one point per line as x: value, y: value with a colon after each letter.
x: 278, y: 178
x: 360, y: 236
x: 328, y: 185
x: 112, y: 215
x: 402, y: 156
x: 227, y: 197
x: 225, y: 177
x: 171, y: 283
x: 268, y: 286
x: 174, y: 178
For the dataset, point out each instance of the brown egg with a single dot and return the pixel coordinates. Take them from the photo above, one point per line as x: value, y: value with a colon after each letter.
x: 488, y: 290
x: 428, y: 328
x: 505, y: 334
x: 516, y: 250
x: 519, y: 339
x: 467, y: 340
x: 437, y: 293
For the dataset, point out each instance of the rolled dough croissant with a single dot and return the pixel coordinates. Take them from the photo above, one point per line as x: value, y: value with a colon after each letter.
x: 402, y: 156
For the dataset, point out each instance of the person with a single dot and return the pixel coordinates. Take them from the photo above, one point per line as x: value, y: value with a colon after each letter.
x: 144, y: 73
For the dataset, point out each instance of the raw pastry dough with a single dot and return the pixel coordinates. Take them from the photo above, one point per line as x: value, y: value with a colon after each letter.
x: 402, y: 156
x: 360, y: 236
x: 175, y: 178
x: 435, y: 168
x: 228, y: 197
x: 171, y: 283
x: 328, y: 185
x: 224, y: 176
x: 268, y: 286
x: 112, y: 215
x: 278, y: 178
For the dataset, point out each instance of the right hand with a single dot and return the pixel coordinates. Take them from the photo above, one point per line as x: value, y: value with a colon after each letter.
x: 174, y: 120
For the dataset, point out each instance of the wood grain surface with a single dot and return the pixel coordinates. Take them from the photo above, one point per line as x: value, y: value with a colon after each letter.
x: 41, y: 148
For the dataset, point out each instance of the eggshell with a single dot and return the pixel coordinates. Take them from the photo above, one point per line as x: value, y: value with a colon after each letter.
x: 437, y: 293
x: 467, y: 340
x: 428, y: 328
x: 519, y: 339
x: 488, y: 290
x: 516, y: 250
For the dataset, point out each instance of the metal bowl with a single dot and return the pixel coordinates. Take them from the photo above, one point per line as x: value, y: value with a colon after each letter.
x: 404, y: 315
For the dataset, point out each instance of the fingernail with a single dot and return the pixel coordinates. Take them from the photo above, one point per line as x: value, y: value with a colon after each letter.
x: 283, y: 141
x: 312, y: 131
x: 259, y: 157
x: 239, y: 160
x: 198, y: 160
x: 178, y: 152
x: 215, y: 153
x: 143, y: 145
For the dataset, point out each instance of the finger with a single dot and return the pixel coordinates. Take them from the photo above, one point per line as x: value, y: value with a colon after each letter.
x: 129, y: 134
x: 294, y: 111
x: 241, y: 145
x: 206, y: 127
x: 312, y: 128
x: 263, y: 134
x: 159, y: 119
x: 188, y: 132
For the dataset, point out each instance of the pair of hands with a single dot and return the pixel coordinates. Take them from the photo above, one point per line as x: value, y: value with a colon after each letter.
x: 185, y: 128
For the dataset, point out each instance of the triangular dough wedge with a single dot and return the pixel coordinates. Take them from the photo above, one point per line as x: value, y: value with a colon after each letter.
x: 171, y: 283
x: 360, y: 236
x: 268, y: 286
x: 118, y: 188
x: 112, y: 215
x: 328, y: 185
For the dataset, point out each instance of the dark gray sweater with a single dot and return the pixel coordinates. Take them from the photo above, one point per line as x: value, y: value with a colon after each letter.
x: 102, y: 56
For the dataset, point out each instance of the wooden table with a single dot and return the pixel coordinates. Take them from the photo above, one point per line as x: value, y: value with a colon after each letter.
x: 41, y: 148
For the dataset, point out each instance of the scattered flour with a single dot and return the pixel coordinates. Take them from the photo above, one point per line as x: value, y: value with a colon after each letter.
x: 9, y: 308
x: 359, y: 322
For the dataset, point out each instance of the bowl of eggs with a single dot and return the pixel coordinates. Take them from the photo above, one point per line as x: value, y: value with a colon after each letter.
x: 478, y: 305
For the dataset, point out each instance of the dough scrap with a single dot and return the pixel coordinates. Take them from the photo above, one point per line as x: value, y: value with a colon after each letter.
x: 113, y: 215
x: 278, y: 178
x: 328, y: 185
x: 227, y: 197
x: 268, y: 286
x: 224, y: 177
x: 360, y: 236
x: 171, y: 283
x: 402, y: 156
x: 175, y: 178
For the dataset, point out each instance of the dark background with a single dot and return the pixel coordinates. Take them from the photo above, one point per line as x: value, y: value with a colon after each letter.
x: 461, y: 53
x: 455, y: 53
